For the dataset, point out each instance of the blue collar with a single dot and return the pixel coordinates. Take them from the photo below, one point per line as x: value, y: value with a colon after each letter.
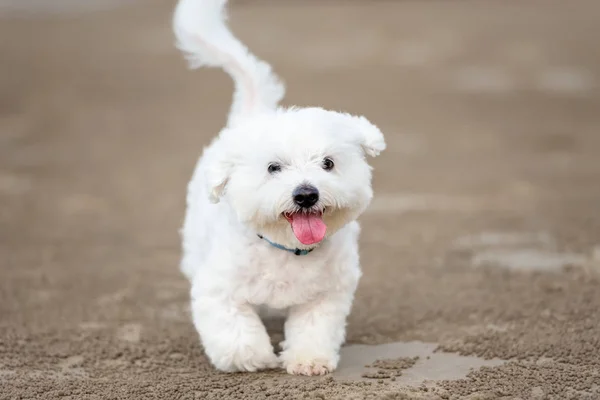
x: 298, y: 252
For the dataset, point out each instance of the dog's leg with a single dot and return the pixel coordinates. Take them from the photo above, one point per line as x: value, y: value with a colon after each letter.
x: 233, y: 335
x: 314, y: 333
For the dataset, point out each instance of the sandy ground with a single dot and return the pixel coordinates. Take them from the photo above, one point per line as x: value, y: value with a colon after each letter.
x: 481, y: 251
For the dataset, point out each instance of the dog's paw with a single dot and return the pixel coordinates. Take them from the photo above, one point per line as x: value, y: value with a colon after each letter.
x: 257, y: 362
x: 245, y: 358
x: 310, y: 367
x: 305, y: 363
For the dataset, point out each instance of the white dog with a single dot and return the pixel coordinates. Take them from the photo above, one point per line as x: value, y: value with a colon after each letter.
x: 271, y: 213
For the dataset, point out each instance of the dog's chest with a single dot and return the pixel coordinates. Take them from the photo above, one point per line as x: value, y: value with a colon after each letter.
x: 283, y: 280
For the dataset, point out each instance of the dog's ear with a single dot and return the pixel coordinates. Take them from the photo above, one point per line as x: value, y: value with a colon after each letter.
x: 366, y: 134
x: 218, y: 171
x: 217, y: 181
x: 373, y: 142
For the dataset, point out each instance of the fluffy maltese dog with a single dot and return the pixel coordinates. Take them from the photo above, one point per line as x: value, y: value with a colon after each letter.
x: 271, y: 213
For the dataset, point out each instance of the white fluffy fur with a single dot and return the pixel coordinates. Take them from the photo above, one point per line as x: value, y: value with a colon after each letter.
x: 232, y: 197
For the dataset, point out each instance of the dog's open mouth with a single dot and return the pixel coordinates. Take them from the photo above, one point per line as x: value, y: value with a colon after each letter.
x: 308, y: 227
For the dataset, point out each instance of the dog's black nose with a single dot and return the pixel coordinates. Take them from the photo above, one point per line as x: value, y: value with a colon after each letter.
x: 306, y: 196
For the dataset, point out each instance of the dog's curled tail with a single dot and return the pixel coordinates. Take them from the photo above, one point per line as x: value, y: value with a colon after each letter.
x: 203, y: 36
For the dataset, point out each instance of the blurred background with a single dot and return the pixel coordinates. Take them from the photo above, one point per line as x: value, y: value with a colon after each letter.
x: 483, y: 238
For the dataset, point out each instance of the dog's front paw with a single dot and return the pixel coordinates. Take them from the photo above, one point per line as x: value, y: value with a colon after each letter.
x: 310, y: 367
x: 244, y: 358
x: 308, y: 363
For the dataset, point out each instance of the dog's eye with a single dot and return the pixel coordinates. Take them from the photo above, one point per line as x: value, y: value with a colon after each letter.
x: 328, y: 164
x: 273, y: 168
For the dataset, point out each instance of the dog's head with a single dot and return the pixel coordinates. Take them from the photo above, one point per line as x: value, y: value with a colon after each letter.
x: 296, y: 175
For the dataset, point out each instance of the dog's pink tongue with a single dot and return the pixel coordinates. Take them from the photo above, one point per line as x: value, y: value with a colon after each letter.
x: 308, y: 228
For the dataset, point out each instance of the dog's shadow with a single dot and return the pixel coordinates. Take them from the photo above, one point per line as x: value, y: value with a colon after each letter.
x: 275, y: 330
